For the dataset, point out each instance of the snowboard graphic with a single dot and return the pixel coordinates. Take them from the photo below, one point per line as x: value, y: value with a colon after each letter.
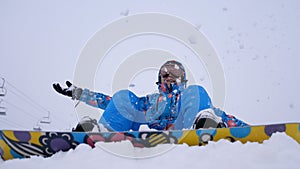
x: 21, y: 144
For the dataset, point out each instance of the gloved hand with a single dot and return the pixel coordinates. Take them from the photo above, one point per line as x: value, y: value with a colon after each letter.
x: 71, y: 90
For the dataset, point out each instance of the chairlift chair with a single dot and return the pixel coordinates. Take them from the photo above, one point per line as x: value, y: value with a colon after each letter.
x: 2, y: 111
x: 46, y: 119
x: 2, y: 91
x: 37, y: 127
x: 2, y: 83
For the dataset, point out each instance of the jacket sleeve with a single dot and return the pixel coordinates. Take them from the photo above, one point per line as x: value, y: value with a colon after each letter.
x: 95, y: 99
x: 229, y: 120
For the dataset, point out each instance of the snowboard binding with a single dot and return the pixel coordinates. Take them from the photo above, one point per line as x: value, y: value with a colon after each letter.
x: 87, y: 124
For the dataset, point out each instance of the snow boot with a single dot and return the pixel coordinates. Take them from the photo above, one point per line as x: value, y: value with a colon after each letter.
x: 207, y: 119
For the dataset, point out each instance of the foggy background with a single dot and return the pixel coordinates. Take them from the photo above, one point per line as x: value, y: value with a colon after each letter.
x: 257, y: 43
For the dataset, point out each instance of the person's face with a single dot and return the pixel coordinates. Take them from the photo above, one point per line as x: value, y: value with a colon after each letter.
x: 170, y: 75
x: 168, y: 79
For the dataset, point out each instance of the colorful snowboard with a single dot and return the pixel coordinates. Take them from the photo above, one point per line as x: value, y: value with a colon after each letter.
x: 20, y: 144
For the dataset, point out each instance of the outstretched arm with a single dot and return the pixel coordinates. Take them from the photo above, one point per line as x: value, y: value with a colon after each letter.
x: 95, y: 99
x: 91, y: 98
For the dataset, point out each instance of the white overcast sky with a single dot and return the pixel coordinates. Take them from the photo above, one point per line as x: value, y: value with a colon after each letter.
x: 257, y: 43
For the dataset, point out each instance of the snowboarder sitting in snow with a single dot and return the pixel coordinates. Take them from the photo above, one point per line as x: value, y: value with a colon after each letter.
x: 175, y: 107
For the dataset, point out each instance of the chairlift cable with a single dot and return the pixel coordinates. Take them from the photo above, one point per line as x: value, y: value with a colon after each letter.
x: 11, y: 123
x: 29, y: 100
x: 33, y: 102
x: 22, y: 110
x: 13, y: 92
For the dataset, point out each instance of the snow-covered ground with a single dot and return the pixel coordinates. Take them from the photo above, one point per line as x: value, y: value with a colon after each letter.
x: 257, y: 44
x: 280, y: 152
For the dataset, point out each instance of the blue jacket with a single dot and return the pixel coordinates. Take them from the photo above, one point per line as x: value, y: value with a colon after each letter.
x: 169, y: 109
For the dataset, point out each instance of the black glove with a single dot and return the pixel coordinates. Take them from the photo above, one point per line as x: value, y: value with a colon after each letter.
x: 71, y: 90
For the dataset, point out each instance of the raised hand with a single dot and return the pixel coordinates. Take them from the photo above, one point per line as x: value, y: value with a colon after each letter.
x: 70, y: 91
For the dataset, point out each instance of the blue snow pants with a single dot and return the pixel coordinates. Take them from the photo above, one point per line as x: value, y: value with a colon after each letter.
x: 126, y: 111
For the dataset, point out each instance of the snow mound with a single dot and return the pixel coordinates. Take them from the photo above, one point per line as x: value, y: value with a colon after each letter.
x: 280, y: 151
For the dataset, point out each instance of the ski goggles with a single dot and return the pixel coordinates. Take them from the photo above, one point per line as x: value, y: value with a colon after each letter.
x: 172, y: 74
